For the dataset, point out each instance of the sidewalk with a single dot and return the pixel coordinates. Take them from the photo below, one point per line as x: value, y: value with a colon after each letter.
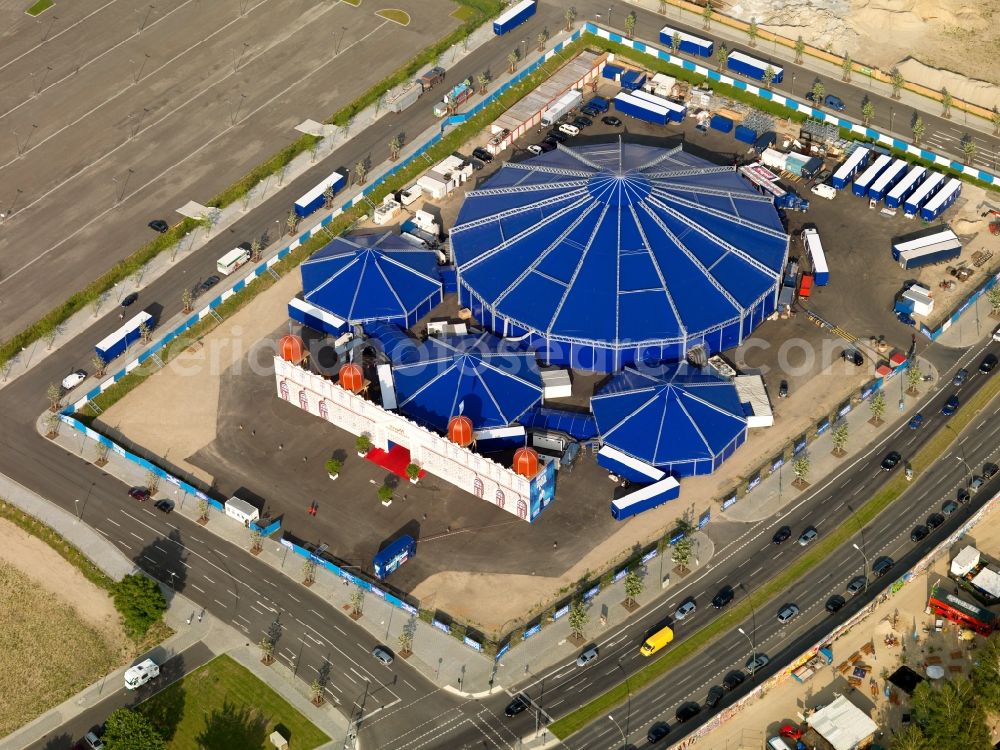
x: 973, y: 327
x: 217, y: 635
x: 828, y: 70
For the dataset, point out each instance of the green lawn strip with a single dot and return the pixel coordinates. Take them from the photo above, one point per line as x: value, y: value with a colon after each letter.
x: 395, y: 15
x: 221, y: 706
x: 67, y: 551
x: 816, y: 554
x: 464, y: 13
x: 40, y: 7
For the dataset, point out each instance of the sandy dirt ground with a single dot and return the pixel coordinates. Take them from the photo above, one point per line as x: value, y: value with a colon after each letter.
x: 785, y: 704
x: 35, y: 559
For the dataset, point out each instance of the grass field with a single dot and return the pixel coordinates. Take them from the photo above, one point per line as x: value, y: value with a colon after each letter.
x: 50, y: 652
x: 395, y: 15
x: 464, y: 13
x: 222, y: 706
x: 40, y: 7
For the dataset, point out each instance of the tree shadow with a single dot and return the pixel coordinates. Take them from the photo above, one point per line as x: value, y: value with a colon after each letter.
x: 167, y: 710
x: 62, y: 741
x: 234, y: 727
x: 163, y: 559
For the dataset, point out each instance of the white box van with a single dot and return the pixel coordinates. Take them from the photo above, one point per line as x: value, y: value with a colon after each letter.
x: 777, y: 743
x: 825, y: 191
x: 233, y: 259
x: 141, y: 673
x: 569, y: 129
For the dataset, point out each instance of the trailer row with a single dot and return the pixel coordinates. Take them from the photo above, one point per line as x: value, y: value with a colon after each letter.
x: 648, y: 107
x: 914, y: 187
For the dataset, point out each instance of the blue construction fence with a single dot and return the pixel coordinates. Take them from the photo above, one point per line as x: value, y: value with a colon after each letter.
x: 971, y: 300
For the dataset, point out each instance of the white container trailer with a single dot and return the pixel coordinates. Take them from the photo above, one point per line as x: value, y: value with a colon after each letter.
x: 561, y: 106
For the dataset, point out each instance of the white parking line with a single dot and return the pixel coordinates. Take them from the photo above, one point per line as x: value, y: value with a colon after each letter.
x: 199, y: 588
x: 136, y: 535
x: 126, y: 546
x: 114, y: 522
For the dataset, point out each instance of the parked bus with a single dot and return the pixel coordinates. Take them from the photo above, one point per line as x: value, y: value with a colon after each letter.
x: 656, y: 641
x: 233, y: 259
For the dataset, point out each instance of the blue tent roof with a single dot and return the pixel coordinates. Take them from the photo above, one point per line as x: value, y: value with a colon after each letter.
x: 679, y: 419
x: 476, y: 375
x: 619, y: 245
x: 362, y: 278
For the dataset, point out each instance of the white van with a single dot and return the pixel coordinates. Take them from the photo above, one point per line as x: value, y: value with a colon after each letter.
x: 232, y: 260
x: 825, y: 191
x: 777, y: 743
x: 141, y: 673
x: 996, y: 333
x: 569, y: 129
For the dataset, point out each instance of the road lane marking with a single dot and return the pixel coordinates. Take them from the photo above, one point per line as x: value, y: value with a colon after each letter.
x: 136, y: 535
x: 208, y: 579
x: 126, y: 546
x: 114, y: 522
x: 294, y: 598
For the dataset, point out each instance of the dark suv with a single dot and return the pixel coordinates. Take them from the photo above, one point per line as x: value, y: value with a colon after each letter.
x: 733, y: 680
x: 882, y: 566
x: 482, y: 154
x: 724, y: 597
x: 715, y: 695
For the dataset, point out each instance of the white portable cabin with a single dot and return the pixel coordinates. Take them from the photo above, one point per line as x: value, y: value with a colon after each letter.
x: 885, y: 180
x: 240, y: 510
x: 905, y: 186
x: 556, y: 384
x: 923, y: 193
x: 942, y: 199
x: 850, y: 167
x: 870, y: 175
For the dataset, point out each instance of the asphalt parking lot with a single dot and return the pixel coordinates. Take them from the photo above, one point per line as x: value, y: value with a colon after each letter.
x: 119, y: 114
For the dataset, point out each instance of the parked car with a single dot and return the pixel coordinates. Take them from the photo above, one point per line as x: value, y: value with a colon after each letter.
x: 808, y: 535
x: 976, y: 484
x: 208, y: 284
x: 857, y: 585
x: 382, y: 654
x: 158, y: 225
x: 724, y: 597
x: 142, y: 494
x: 989, y: 470
x: 963, y: 495
x: 853, y: 356
x: 535, y: 149
x: 616, y: 123
x: 733, y: 680
x: 482, y: 154
x: 129, y: 299
x: 74, y: 379
x: 687, y: 711
x: 164, y: 506
x: 788, y: 612
x: 657, y: 732
x: 781, y: 535
x: 517, y: 706
x: 791, y: 732
x: 882, y: 566
x: 833, y: 102
x: 557, y: 136
x: 950, y: 406
x: 92, y: 740
x: 687, y: 608
x: 949, y: 507
x: 919, y: 533
x: 934, y: 520
x: 835, y: 603
x: 996, y: 333
x: 755, y: 663
x: 891, y: 460
x: 583, y: 122
x: 589, y: 111
x: 960, y: 377
x: 916, y: 421
x: 547, y: 145
x: 476, y: 164
x: 714, y: 697
x: 988, y: 363
x: 783, y: 389
x: 586, y: 657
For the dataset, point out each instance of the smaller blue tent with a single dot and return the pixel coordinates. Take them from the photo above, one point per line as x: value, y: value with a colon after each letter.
x: 364, y: 278
x: 678, y: 419
x: 479, y: 376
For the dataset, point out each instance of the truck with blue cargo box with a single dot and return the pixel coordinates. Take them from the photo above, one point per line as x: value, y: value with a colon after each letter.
x: 927, y: 189
x: 645, y: 498
x: 675, y: 111
x: 514, y: 16
x: 887, y: 180
x: 689, y: 43
x: 753, y: 67
x: 866, y: 178
x: 853, y: 164
x: 814, y: 248
x: 905, y: 187
x: 934, y: 245
x: 313, y: 200
x: 116, y: 343
x: 599, y: 103
x: 942, y: 200
x: 393, y: 555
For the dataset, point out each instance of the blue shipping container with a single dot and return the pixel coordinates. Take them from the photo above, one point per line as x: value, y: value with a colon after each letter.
x: 640, y: 109
x: 645, y: 498
x: 314, y: 199
x: 633, y: 79
x: 690, y: 44
x: 116, y: 343
x: 753, y: 67
x: 514, y: 16
x: 745, y: 134
x: 721, y: 123
x: 612, y: 72
x: 394, y: 555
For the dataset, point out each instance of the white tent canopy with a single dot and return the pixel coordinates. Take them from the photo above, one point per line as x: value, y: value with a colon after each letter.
x: 989, y: 581
x: 842, y: 724
x: 965, y: 561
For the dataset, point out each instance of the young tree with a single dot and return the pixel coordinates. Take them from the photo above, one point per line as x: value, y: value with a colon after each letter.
x: 152, y: 482
x: 99, y: 365
x: 946, y: 101
x: 630, y: 24
x: 706, y: 16
x: 950, y: 714
x: 911, y: 738
x: 266, y: 647
x: 512, y: 59
x: 140, y: 603
x: 682, y: 551
x: 385, y: 493
x: 483, y: 80
x: 919, y: 128
x: 993, y: 297
x: 995, y: 119
x: 256, y: 540
x: 800, y: 49
x: 256, y: 249
x: 363, y: 443
x: 395, y: 145
x: 876, y: 404
x: 145, y: 333
x: 54, y: 394
x: 633, y: 587
x: 968, y: 148
x: 839, y: 436
x: 406, y: 637
x: 357, y: 601
x: 913, y: 378
x: 187, y: 301
x: 818, y: 94
x: 52, y: 423
x: 800, y: 467
x: 328, y: 196
x: 203, y: 508
x: 846, y: 65
x: 675, y: 42
x: 578, y: 618
x: 721, y: 53
x: 768, y: 77
x: 663, y: 7
x: 752, y: 32
x: 985, y: 673
x: 897, y: 81
x: 867, y: 112
x: 541, y: 39
x: 309, y: 570
x: 361, y: 172
x: 569, y: 16
x: 316, y: 693
x: 126, y: 729
x: 291, y: 222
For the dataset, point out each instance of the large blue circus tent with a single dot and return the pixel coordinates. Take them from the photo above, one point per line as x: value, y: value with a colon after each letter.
x: 375, y: 277
x: 679, y: 419
x: 477, y: 376
x: 604, y: 255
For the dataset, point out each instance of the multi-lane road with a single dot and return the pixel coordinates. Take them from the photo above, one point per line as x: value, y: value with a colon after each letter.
x: 402, y: 709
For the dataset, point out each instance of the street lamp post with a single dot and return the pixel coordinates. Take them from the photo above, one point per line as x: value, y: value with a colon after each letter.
x: 77, y: 501
x: 865, y: 558
x: 753, y: 646
x: 628, y: 693
x: 892, y: 113
x: 624, y: 738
